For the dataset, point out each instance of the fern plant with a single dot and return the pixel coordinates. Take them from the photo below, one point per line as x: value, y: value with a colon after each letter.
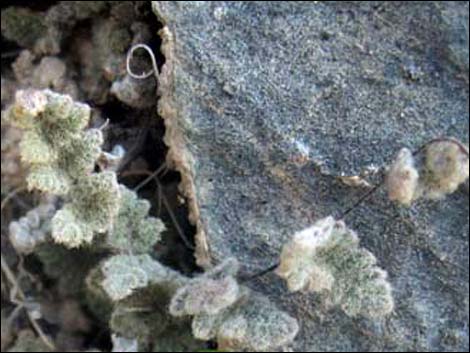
x: 62, y: 155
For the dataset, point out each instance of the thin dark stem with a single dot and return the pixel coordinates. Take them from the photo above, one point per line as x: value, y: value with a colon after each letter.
x: 260, y: 273
x: 150, y: 177
x: 18, y: 292
x: 134, y: 151
x: 162, y: 197
x: 185, y: 240
x: 361, y: 200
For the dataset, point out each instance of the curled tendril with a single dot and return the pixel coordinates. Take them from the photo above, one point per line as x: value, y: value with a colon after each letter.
x: 144, y: 75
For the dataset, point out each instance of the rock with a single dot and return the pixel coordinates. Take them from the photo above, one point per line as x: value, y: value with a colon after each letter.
x: 456, y: 32
x: 267, y: 104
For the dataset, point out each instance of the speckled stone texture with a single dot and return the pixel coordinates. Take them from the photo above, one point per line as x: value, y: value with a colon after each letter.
x: 267, y: 103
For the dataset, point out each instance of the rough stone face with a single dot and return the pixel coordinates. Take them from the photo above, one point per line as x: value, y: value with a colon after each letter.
x: 267, y: 104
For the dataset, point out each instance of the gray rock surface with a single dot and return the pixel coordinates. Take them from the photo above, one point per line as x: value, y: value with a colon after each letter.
x: 267, y: 103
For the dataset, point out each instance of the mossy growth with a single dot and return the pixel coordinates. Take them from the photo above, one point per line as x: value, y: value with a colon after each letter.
x: 93, y: 206
x: 255, y: 324
x: 133, y: 230
x: 149, y: 324
x: 140, y: 289
x: 125, y: 274
x: 237, y: 318
x: 205, y: 296
x: 209, y: 293
x: 326, y: 258
x: 55, y: 145
x: 62, y: 155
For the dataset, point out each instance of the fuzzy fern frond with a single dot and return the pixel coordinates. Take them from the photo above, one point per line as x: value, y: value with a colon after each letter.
x: 445, y: 168
x: 93, y: 206
x: 125, y: 274
x: 133, y: 229
x: 54, y: 144
x: 403, y: 178
x: 237, y: 318
x: 326, y: 258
